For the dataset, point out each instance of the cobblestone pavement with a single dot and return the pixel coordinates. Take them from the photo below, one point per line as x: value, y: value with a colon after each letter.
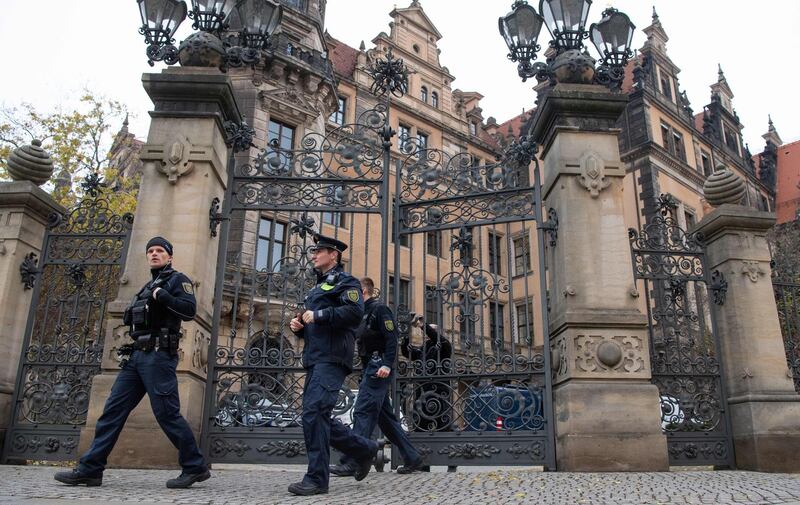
x: 267, y: 485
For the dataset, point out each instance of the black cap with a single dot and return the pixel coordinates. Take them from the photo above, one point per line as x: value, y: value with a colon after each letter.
x: 161, y: 241
x: 329, y: 242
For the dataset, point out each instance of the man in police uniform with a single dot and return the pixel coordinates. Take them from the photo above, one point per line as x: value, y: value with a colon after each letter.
x: 377, y: 348
x: 333, y: 311
x: 154, y: 317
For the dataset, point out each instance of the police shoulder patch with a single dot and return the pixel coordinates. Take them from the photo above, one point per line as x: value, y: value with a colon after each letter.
x: 352, y: 294
x: 389, y: 325
x: 188, y: 288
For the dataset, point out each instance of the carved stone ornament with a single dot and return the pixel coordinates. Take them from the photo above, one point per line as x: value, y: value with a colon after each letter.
x: 175, y: 158
x: 291, y: 101
x: 753, y: 270
x: 596, y: 353
x: 593, y: 174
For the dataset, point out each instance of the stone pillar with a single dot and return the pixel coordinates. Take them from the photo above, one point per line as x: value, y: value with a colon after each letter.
x: 606, y: 410
x: 764, y: 407
x: 185, y: 167
x: 24, y: 209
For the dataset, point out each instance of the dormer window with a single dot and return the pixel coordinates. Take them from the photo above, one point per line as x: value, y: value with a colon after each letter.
x: 435, y: 99
x: 473, y: 128
x: 423, y: 94
x: 666, y: 84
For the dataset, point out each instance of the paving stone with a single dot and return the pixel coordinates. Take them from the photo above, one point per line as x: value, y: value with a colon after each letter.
x: 262, y: 485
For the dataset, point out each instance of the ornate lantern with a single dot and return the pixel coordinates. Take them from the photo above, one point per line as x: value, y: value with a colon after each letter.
x: 566, y: 20
x: 520, y: 29
x: 612, y: 37
x: 160, y: 20
x: 210, y: 15
x: 259, y: 20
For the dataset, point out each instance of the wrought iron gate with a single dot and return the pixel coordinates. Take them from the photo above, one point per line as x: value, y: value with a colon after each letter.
x: 684, y: 345
x: 334, y: 184
x: 787, y: 299
x: 474, y: 388
x: 82, y: 260
x: 338, y: 184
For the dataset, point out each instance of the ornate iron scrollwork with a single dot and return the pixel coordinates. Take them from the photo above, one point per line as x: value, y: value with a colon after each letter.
x: 389, y: 76
x: 684, y: 346
x: 28, y: 270
x: 239, y: 136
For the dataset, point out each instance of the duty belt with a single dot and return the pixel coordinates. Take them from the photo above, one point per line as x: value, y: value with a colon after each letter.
x: 165, y: 340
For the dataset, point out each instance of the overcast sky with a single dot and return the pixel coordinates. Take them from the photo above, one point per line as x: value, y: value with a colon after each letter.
x: 54, y: 48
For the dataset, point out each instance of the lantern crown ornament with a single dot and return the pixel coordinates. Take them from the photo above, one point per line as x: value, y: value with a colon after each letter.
x: 566, y: 20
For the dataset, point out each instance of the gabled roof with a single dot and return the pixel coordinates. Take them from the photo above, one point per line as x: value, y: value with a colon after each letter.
x: 343, y: 57
x: 415, y: 14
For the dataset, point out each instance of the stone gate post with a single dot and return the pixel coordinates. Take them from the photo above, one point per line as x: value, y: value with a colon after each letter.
x: 24, y: 209
x: 764, y: 407
x: 606, y: 410
x: 185, y: 168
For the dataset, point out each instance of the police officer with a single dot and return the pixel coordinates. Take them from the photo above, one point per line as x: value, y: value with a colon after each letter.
x: 377, y: 348
x: 333, y: 311
x: 432, y: 405
x: 154, y: 318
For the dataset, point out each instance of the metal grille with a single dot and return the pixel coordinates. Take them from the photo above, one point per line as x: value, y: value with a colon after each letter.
x: 787, y: 298
x: 684, y: 346
x: 82, y: 261
x: 334, y: 184
x: 474, y: 389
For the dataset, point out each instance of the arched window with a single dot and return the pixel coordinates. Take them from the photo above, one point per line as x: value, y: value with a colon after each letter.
x: 435, y: 99
x: 423, y: 94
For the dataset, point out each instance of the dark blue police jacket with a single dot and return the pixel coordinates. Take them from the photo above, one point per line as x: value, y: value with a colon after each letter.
x: 338, y: 307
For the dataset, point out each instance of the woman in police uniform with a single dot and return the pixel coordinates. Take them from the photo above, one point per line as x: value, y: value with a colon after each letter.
x: 333, y: 310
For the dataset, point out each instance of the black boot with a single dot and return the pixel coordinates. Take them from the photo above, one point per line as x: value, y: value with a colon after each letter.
x: 303, y: 489
x: 410, y: 467
x: 75, y: 477
x: 342, y: 470
x: 363, y: 465
x: 185, y: 480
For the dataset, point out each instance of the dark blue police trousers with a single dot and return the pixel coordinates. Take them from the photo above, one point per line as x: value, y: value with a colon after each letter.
x: 152, y: 373
x: 320, y: 394
x: 373, y: 406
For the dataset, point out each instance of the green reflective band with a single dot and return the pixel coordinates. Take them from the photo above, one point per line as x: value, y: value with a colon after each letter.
x: 326, y: 287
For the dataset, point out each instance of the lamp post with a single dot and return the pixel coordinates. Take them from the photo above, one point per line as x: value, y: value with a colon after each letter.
x: 231, y: 33
x: 566, y: 21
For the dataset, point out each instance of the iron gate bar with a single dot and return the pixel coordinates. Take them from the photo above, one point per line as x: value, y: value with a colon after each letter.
x: 56, y: 440
x: 663, y: 252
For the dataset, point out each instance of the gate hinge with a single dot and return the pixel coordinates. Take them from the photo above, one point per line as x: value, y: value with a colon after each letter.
x: 719, y: 287
x: 29, y: 270
x: 215, y: 217
x: 550, y: 227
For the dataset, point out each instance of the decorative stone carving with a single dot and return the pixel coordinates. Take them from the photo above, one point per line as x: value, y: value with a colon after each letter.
x: 560, y: 363
x: 752, y: 269
x: 592, y: 175
x: 723, y: 186
x: 598, y: 353
x: 201, y: 49
x: 176, y: 157
x: 569, y: 291
x: 30, y: 163
x: 291, y: 101
x: 200, y: 350
x: 609, y: 353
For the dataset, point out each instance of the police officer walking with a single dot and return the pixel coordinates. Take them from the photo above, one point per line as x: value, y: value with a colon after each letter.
x: 377, y: 348
x: 154, y: 318
x: 333, y: 311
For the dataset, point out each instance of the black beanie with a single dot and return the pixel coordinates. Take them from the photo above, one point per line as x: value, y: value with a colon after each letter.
x: 159, y: 241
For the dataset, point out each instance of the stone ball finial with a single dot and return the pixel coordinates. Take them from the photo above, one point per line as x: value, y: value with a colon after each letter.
x: 723, y: 186
x: 201, y: 49
x: 30, y: 163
